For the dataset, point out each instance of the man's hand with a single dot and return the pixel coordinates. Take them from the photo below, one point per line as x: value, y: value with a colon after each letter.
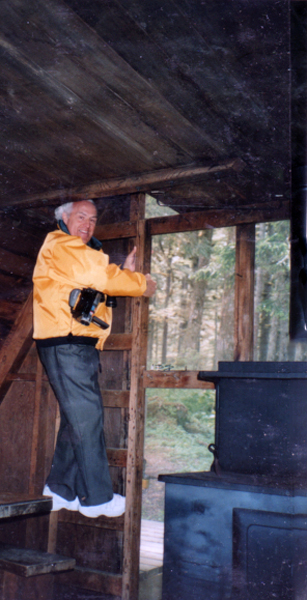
x: 151, y: 286
x: 130, y: 264
x: 130, y: 261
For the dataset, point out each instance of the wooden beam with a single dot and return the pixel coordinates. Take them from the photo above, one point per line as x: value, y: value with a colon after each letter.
x: 118, y: 341
x: 115, y: 398
x: 125, y: 229
x: 132, y: 531
x: 117, y: 457
x: 116, y: 231
x: 16, y: 345
x: 175, y: 379
x: 143, y: 182
x: 244, y: 292
x: 193, y: 221
x: 161, y: 178
x: 35, y: 445
x: 137, y: 207
x: 8, y: 309
x: 223, y: 217
x: 21, y: 377
x: 53, y: 518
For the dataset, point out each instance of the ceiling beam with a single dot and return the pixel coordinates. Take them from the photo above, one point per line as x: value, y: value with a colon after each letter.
x: 144, y: 182
x: 198, y: 220
x: 222, y: 217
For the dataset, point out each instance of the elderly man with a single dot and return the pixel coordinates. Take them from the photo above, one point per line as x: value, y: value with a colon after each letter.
x: 72, y: 259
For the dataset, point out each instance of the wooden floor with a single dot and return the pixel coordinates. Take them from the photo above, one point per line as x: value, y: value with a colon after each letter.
x: 151, y: 560
x: 151, y: 549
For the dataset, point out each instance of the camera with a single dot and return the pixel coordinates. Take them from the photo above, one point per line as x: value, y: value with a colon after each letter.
x: 83, y: 304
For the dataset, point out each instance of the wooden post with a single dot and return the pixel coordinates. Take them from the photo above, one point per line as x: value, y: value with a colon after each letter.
x: 33, y: 484
x: 53, y: 519
x: 132, y: 527
x: 244, y: 292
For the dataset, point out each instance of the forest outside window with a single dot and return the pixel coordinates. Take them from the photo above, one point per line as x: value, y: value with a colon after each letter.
x: 191, y: 322
x: 192, y: 313
x: 192, y: 327
x: 272, y: 295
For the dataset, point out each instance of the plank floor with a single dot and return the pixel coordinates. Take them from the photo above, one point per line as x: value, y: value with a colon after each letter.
x: 151, y: 549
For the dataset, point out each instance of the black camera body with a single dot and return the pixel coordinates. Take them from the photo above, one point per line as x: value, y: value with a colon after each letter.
x: 83, y: 304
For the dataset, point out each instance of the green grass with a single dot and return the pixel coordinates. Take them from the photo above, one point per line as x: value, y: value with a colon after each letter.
x: 179, y: 426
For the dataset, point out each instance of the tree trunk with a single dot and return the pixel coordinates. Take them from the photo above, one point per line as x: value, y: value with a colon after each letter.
x: 224, y: 336
x: 264, y: 321
x: 259, y: 290
x: 183, y: 314
x: 166, y: 303
x: 198, y: 287
x: 272, y: 338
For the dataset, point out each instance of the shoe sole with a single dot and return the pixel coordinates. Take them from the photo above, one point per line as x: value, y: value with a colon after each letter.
x: 101, y: 515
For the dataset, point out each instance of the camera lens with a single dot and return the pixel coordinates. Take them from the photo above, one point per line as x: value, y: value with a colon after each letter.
x: 111, y: 301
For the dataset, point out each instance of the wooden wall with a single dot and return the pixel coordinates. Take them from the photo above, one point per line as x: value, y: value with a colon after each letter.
x: 106, y: 550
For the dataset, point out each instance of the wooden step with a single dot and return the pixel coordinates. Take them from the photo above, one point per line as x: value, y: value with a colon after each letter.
x: 93, y: 580
x: 17, y: 505
x: 27, y: 562
x: 114, y: 523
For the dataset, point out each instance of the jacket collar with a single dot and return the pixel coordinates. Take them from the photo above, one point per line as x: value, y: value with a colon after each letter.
x: 93, y: 243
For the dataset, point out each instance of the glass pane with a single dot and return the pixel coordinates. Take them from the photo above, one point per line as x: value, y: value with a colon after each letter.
x: 179, y: 427
x: 191, y: 327
x: 156, y: 209
x: 272, y: 295
x: 192, y: 313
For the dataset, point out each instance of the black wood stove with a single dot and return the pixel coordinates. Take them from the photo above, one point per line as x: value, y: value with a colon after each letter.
x: 239, y: 532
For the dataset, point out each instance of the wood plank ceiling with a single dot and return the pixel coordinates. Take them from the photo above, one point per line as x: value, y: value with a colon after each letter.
x: 96, y: 91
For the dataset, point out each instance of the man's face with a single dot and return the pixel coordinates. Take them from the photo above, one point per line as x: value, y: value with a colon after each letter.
x: 82, y: 220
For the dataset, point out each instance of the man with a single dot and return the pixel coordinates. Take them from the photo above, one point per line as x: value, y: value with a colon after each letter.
x: 71, y: 258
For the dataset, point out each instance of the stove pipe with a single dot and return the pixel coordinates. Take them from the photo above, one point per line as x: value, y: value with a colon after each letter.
x: 298, y: 294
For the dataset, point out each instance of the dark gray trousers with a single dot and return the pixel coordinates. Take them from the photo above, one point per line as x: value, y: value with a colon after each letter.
x: 80, y: 465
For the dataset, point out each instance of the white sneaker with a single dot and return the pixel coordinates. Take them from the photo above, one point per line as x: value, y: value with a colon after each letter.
x: 58, y: 502
x: 113, y: 508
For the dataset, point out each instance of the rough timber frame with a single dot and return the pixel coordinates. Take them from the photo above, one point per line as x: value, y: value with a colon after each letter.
x: 19, y: 341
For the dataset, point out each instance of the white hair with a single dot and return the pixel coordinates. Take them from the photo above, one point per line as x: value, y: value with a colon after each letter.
x: 67, y: 208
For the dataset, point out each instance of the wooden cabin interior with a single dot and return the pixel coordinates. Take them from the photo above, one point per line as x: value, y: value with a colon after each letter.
x: 189, y: 102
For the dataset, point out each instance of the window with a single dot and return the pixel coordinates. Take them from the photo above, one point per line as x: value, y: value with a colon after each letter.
x: 272, y: 295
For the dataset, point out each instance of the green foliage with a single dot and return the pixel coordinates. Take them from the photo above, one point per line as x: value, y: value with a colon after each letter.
x: 192, y: 312
x: 194, y: 400
x: 174, y: 415
x: 272, y: 291
x: 179, y: 427
x: 153, y: 209
x: 194, y: 273
x: 272, y: 247
x: 190, y: 268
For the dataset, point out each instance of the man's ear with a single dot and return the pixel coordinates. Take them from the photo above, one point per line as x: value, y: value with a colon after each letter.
x: 65, y: 217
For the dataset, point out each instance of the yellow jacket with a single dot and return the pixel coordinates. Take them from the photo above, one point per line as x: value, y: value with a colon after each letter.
x: 63, y: 264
